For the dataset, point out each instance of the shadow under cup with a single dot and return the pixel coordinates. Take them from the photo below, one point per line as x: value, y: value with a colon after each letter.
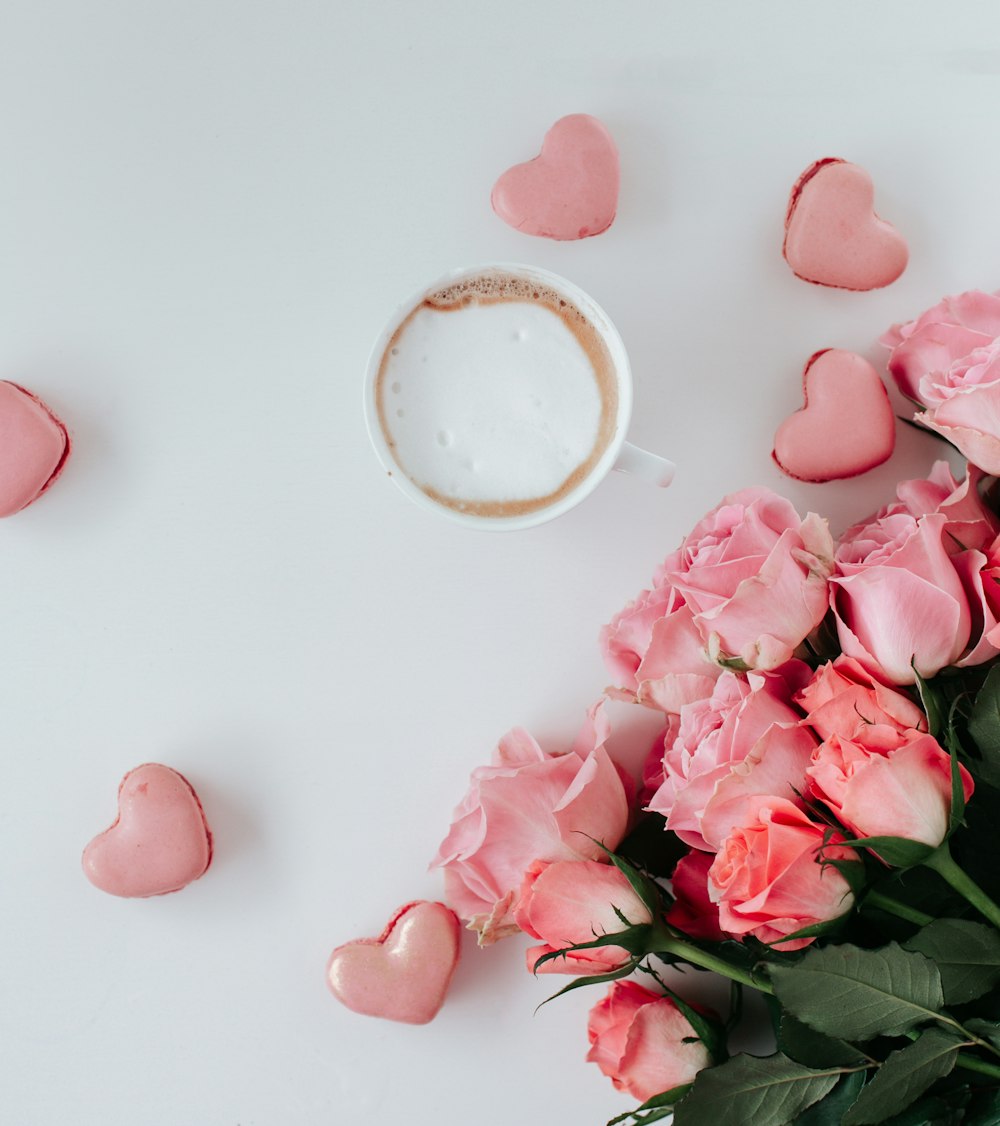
x: 499, y: 396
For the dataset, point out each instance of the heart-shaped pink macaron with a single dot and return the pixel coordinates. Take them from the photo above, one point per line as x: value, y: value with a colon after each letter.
x: 846, y: 426
x: 568, y: 191
x: 160, y: 841
x: 34, y: 447
x: 403, y: 974
x: 832, y: 234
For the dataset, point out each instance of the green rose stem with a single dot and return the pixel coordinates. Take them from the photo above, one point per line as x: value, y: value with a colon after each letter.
x: 900, y: 910
x: 972, y: 1063
x: 664, y: 942
x: 942, y: 862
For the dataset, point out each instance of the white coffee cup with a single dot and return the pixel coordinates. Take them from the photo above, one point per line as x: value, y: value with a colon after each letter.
x: 502, y: 371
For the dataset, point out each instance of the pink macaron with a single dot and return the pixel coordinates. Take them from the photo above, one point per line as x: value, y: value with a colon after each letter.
x: 160, y: 841
x: 34, y: 447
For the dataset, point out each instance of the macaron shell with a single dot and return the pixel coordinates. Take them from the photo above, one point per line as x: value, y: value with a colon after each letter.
x: 846, y: 426
x: 34, y: 446
x: 160, y: 841
x: 404, y: 974
x: 570, y: 190
x: 833, y: 236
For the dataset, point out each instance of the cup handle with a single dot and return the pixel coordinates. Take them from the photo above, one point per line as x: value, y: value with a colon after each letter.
x: 649, y: 467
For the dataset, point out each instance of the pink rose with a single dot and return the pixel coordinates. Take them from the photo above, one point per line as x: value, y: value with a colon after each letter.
x: 574, y: 901
x: 693, y: 911
x: 643, y: 1042
x: 968, y: 536
x: 745, y: 739
x: 754, y: 575
x: 970, y: 524
x: 887, y: 783
x: 526, y: 806
x: 898, y: 599
x: 654, y: 651
x: 948, y: 362
x: 843, y: 699
x: 767, y: 878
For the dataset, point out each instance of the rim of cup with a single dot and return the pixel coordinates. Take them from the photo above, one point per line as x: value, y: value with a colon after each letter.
x: 623, y: 373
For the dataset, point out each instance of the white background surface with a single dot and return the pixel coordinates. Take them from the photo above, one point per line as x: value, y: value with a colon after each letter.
x: 207, y: 210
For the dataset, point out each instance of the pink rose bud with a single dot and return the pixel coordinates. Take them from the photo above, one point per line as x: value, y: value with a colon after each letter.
x: 948, y: 362
x: 637, y: 1039
x: 573, y: 901
x: 843, y: 699
x: 886, y: 783
x: 768, y: 879
x: 755, y: 577
x: 526, y: 806
x: 693, y: 912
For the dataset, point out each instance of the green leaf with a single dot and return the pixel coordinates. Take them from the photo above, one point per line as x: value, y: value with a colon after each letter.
x: 807, y: 1046
x: 590, y: 979
x: 829, y: 1111
x: 899, y: 852
x: 967, y: 955
x: 933, y: 703
x: 984, y: 720
x: 662, y: 1103
x: 634, y: 939
x: 767, y: 1092
x: 954, y: 745
x: 984, y: 1110
x: 930, y: 1111
x: 904, y: 1077
x: 859, y: 994
x: 984, y: 1029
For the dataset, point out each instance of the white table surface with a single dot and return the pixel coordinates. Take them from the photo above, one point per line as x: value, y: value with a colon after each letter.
x: 207, y: 210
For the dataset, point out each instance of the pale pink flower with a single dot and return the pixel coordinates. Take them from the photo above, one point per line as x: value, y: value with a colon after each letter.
x: 745, y: 739
x: 948, y: 362
x: 755, y: 577
x: 528, y: 805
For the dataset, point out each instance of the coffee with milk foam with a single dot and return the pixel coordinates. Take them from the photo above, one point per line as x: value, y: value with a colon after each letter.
x: 497, y: 396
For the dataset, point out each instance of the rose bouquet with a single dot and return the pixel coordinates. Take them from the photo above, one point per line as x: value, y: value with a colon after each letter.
x: 819, y: 819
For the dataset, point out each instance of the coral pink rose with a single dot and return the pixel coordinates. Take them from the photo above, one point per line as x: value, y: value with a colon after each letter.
x: 526, y: 806
x: 948, y: 362
x: 767, y: 878
x: 898, y: 599
x: 693, y: 912
x: 887, y: 783
x: 573, y: 901
x: 643, y: 1042
x: 745, y: 739
x: 843, y: 699
x: 754, y: 575
x: 655, y: 652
